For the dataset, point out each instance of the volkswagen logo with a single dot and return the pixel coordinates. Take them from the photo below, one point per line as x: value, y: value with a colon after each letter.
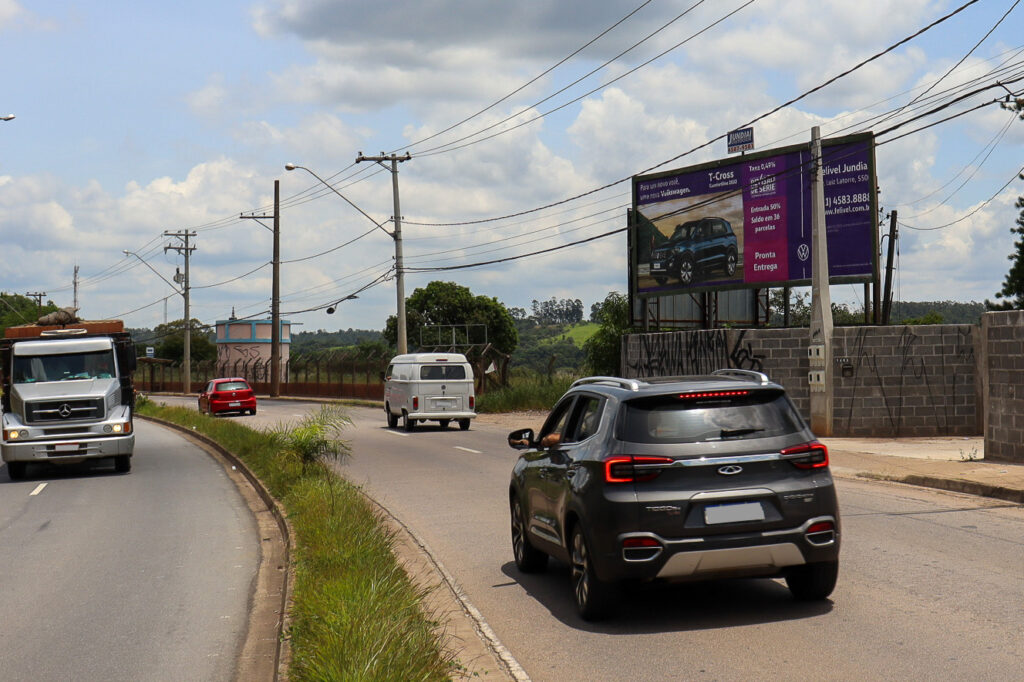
x: 64, y: 411
x: 730, y: 470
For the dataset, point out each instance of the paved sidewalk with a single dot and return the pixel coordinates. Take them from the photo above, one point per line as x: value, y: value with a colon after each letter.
x: 953, y: 463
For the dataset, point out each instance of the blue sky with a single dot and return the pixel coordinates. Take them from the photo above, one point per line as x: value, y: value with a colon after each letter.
x: 136, y: 118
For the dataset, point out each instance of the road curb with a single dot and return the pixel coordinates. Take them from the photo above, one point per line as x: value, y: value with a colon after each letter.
x: 950, y: 484
x: 254, y: 665
x: 490, y: 640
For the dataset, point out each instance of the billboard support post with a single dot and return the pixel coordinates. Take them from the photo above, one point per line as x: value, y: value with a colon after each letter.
x: 820, y: 349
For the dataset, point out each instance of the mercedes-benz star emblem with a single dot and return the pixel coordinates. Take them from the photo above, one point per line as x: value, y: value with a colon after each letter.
x: 730, y: 470
x: 64, y: 411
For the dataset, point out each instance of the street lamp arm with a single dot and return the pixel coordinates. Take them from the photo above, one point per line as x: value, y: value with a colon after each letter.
x: 155, y: 271
x: 293, y: 166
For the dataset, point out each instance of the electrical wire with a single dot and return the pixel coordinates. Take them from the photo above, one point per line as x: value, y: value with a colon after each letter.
x: 532, y: 80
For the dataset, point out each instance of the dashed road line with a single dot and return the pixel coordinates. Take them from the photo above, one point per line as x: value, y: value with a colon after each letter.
x: 398, y: 433
x: 39, y: 489
x: 475, y: 452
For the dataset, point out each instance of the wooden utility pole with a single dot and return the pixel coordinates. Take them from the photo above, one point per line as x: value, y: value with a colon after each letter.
x: 275, y: 295
x: 887, y: 300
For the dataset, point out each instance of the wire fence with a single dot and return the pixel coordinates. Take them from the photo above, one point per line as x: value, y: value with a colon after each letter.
x: 321, y: 375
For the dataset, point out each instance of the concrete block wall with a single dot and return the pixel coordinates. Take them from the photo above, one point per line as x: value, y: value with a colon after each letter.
x: 898, y: 381
x: 1004, y: 385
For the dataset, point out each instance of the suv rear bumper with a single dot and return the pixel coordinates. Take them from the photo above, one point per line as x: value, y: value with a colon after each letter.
x: 760, y: 553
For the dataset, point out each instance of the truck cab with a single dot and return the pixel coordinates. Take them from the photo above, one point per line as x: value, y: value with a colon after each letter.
x: 67, y: 397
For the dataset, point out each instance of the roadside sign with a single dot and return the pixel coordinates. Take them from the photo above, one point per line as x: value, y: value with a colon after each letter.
x: 150, y: 351
x: 741, y: 140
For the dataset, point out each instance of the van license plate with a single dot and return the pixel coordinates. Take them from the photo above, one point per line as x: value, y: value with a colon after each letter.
x: 734, y: 513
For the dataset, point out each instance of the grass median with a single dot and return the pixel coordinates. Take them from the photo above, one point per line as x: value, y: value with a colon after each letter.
x: 356, y: 615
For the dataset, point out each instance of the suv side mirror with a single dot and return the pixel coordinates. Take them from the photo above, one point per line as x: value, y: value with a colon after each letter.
x: 521, y: 439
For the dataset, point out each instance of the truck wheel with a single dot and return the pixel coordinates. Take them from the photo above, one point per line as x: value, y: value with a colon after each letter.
x: 464, y: 424
x: 123, y: 464
x: 392, y: 418
x: 16, y: 470
x: 408, y: 424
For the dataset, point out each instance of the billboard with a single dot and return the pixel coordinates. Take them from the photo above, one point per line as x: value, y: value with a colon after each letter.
x: 746, y: 223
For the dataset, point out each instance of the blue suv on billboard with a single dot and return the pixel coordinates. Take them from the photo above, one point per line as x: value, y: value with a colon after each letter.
x: 696, y: 247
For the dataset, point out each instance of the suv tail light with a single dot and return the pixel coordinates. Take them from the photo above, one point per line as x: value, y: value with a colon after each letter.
x: 634, y: 469
x: 641, y: 548
x: 821, y: 533
x: 815, y: 455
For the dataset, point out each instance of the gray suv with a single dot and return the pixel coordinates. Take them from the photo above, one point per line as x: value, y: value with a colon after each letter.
x: 683, y: 478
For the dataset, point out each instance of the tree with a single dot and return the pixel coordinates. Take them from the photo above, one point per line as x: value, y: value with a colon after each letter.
x: 604, y: 348
x: 17, y: 310
x: 447, y: 303
x: 1012, y: 292
x: 170, y: 342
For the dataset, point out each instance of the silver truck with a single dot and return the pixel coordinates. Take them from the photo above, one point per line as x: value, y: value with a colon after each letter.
x: 67, y: 396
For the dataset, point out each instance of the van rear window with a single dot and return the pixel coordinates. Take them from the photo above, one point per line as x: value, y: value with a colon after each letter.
x: 442, y: 372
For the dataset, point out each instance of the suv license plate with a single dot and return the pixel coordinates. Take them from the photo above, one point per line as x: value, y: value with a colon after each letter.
x: 734, y: 513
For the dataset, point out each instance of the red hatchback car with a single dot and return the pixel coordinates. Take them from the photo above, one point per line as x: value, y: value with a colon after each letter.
x: 227, y: 395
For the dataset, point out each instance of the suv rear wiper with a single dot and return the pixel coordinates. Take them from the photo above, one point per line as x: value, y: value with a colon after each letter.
x: 729, y: 433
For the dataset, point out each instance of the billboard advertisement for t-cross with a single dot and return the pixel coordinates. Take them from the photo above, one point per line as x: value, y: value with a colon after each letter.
x: 746, y: 222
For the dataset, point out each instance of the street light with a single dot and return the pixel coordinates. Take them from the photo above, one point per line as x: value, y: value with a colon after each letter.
x: 8, y: 117
x: 399, y: 270
x: 332, y: 308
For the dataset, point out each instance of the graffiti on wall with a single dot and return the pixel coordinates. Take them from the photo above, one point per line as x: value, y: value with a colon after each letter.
x: 920, y: 379
x: 692, y: 352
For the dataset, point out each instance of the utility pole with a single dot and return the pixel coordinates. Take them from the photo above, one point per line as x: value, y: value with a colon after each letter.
x: 275, y: 295
x: 75, y: 283
x: 887, y: 300
x: 819, y: 351
x: 186, y: 249
x: 38, y: 295
x: 403, y: 346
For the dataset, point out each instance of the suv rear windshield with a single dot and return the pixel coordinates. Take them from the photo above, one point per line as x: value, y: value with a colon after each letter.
x: 442, y: 372
x: 678, y: 418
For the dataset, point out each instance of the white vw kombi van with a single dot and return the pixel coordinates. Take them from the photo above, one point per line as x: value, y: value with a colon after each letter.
x: 435, y: 386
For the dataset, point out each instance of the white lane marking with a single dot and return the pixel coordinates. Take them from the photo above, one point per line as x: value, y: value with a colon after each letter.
x: 398, y: 433
x: 475, y: 452
x: 39, y: 489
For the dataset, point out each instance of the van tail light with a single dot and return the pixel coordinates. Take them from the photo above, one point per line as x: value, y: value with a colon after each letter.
x: 472, y: 402
x: 813, y: 455
x: 415, y: 402
x: 634, y: 469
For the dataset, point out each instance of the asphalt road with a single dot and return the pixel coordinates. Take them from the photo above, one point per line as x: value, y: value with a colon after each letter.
x: 930, y: 587
x: 143, y: 576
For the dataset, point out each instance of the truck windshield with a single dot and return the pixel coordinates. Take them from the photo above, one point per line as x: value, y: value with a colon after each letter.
x: 30, y: 369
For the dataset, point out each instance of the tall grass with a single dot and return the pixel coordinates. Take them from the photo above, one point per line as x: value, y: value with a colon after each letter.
x: 356, y: 614
x: 526, y: 391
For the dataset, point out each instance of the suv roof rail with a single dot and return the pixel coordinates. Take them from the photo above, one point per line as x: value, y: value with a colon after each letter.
x: 759, y: 377
x: 630, y: 384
